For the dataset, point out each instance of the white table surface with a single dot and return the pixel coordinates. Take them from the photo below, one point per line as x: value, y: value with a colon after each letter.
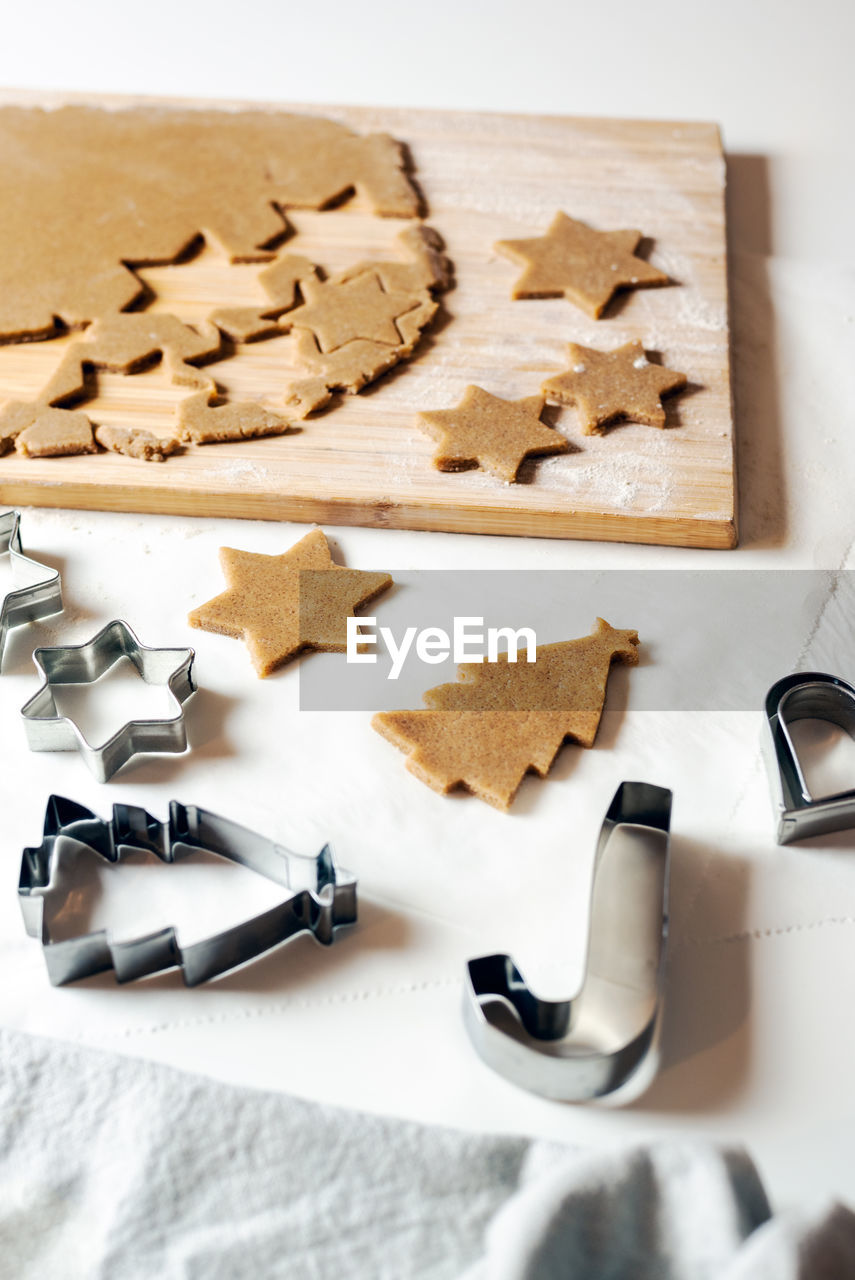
x: 759, y: 1038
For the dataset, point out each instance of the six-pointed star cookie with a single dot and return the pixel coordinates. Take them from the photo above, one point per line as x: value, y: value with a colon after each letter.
x: 495, y: 434
x: 281, y: 604
x: 339, y: 311
x: 609, y: 385
x: 584, y: 265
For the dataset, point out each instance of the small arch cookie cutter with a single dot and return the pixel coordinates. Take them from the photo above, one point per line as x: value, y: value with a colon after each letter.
x: 40, y: 591
x: 806, y: 695
x: 323, y: 898
x: 605, y: 1036
x: 47, y: 730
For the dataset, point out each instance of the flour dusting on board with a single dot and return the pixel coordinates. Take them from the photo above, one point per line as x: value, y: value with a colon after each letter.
x: 242, y: 470
x: 484, y: 179
x: 620, y: 482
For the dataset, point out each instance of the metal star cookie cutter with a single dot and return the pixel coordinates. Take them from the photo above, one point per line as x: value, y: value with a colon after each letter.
x: 85, y: 663
x: 807, y: 695
x: 40, y: 592
x: 606, y: 1035
x: 322, y: 901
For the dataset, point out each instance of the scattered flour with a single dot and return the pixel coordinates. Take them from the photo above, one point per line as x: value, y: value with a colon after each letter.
x: 243, y: 470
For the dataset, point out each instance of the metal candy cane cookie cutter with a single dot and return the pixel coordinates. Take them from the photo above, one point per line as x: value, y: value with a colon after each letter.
x: 39, y: 593
x: 807, y: 695
x: 85, y: 663
x: 578, y: 1049
x: 323, y: 898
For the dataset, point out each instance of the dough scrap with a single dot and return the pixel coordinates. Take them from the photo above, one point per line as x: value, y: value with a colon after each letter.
x: 498, y: 722
x: 15, y: 416
x: 85, y: 191
x: 203, y: 423
x: 126, y: 342
x: 282, y: 604
x: 279, y: 281
x: 495, y: 434
x: 351, y: 366
x: 425, y: 267
x: 348, y: 369
x: 56, y: 433
x: 136, y: 442
x: 122, y: 343
x: 609, y: 386
x: 584, y: 265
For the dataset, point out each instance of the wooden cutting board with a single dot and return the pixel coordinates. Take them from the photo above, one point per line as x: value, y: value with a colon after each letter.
x: 364, y: 461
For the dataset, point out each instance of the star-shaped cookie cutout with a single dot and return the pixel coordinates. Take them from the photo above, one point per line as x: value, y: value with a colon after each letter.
x: 281, y: 604
x: 607, y: 386
x: 340, y: 311
x: 585, y: 266
x: 495, y: 434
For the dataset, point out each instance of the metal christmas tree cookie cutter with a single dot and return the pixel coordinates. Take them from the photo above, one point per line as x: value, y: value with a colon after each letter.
x: 588, y: 1046
x: 807, y: 695
x: 323, y: 898
x: 40, y: 591
x: 47, y: 730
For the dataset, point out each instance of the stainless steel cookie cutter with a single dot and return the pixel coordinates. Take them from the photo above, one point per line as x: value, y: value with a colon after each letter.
x: 323, y: 897
x: 807, y: 695
x: 85, y: 663
x: 578, y: 1049
x: 40, y: 590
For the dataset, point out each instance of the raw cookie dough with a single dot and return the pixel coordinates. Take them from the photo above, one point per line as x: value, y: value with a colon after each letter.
x: 424, y: 268
x: 340, y: 311
x: 583, y: 265
x: 608, y: 386
x: 15, y: 415
x: 127, y: 342
x: 348, y: 369
x: 122, y: 343
x: 136, y: 442
x: 203, y: 423
x: 495, y: 434
x: 351, y: 366
x: 500, y: 722
x: 282, y: 604
x: 85, y: 191
x: 56, y: 433
x: 279, y: 281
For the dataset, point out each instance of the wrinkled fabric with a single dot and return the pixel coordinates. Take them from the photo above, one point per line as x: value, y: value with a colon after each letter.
x: 117, y: 1169
x: 671, y: 1211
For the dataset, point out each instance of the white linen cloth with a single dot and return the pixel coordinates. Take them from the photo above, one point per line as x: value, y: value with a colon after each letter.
x: 116, y: 1169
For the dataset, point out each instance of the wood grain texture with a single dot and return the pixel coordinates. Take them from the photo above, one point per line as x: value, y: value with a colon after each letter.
x: 365, y: 461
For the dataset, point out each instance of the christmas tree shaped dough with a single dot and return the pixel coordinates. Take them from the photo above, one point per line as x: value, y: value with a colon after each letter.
x: 502, y: 720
